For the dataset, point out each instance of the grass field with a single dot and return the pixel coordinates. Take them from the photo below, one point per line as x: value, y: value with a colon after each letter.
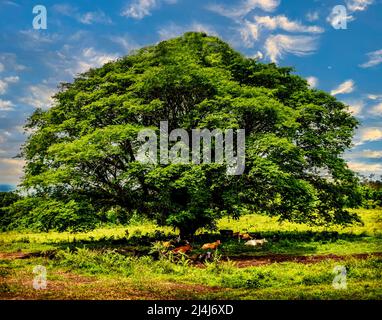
x: 296, y: 263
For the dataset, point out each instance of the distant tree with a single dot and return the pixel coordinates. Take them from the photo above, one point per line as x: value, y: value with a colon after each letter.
x: 85, y: 145
x: 6, y: 200
x: 372, y: 191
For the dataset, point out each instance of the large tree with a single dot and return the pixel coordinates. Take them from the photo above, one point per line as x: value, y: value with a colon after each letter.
x: 84, y: 147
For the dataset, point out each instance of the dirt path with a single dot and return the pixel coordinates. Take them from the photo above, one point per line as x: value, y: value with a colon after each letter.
x: 26, y: 255
x: 70, y: 286
x: 243, y: 262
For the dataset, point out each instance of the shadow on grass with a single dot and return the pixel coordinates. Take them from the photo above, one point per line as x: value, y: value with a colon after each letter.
x: 279, y: 242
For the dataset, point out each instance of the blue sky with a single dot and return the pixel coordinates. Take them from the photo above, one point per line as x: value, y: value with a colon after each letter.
x: 87, y: 33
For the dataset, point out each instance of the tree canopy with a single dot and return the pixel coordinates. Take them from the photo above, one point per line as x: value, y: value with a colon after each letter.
x: 80, y: 157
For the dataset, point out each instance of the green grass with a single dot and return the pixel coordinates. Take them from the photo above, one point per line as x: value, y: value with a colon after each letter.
x: 107, y: 264
x: 221, y: 280
x: 284, y: 238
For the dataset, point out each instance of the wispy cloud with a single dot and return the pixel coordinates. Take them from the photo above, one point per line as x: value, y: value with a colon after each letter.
x: 5, y: 82
x: 39, y: 96
x: 125, y: 42
x: 91, y: 58
x: 374, y: 59
x: 94, y: 17
x: 71, y: 60
x: 6, y: 105
x: 368, y: 134
x: 32, y: 37
x: 346, y: 87
x: 90, y: 17
x: 377, y: 110
x: 244, y: 8
x: 9, y: 62
x: 278, y: 45
x: 138, y: 9
x: 249, y: 33
x: 282, y: 22
x: 12, y: 79
x: 373, y: 96
x: 358, y: 5
x: 3, y: 86
x: 365, y: 167
x: 355, y: 106
x: 372, y: 154
x: 11, y: 170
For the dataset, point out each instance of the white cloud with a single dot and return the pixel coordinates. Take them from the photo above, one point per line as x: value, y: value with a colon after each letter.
x: 312, y: 81
x: 11, y: 170
x: 249, y: 33
x: 12, y: 79
x: 374, y: 96
x: 277, y: 45
x: 4, y: 83
x: 346, y: 87
x: 358, y: 5
x: 92, y: 58
x: 244, y: 8
x: 6, y: 105
x: 375, y: 58
x: 362, y: 155
x: 39, y: 96
x: 139, y: 9
x: 373, y: 154
x: 34, y: 37
x: 365, y: 168
x: 173, y: 30
x: 284, y: 23
x: 65, y: 9
x: 356, y: 106
x: 125, y: 42
x: 9, y: 62
x: 94, y: 17
x: 377, y: 110
x: 73, y: 62
x: 369, y: 134
x: 3, y: 87
x: 259, y: 55
x: 84, y: 18
x: 1, y: 67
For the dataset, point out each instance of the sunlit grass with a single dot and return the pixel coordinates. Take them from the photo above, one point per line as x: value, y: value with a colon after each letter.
x: 294, y: 238
x: 147, y: 278
x: 372, y: 219
x: 123, y: 275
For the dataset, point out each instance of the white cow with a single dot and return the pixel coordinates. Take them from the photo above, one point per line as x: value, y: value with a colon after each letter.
x: 255, y: 242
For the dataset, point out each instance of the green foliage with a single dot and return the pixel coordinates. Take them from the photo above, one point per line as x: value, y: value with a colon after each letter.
x: 50, y: 214
x: 6, y: 200
x: 85, y: 145
x: 372, y: 193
